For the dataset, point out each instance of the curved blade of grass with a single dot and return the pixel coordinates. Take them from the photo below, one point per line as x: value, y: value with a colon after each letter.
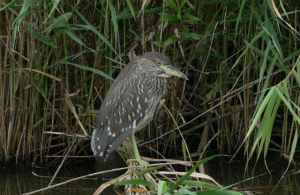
x: 160, y: 187
x: 59, y: 22
x: 43, y: 119
x: 99, y: 72
x: 185, y: 191
x: 246, y: 49
x: 172, y: 4
x: 144, y: 171
x: 23, y: 11
x: 73, y: 36
x: 89, y: 26
x: 259, y: 113
x: 40, y: 37
x: 294, y: 145
x: 55, y: 4
x: 43, y: 73
x: 219, y: 192
x: 239, y: 17
x: 288, y: 105
x: 201, y: 184
x: 8, y: 5
x: 191, y: 17
x: 187, y: 175
x: 113, y: 16
x: 130, y: 8
x: 134, y: 182
x: 146, y: 12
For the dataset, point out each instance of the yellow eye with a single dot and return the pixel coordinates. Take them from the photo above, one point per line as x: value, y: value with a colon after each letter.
x: 158, y: 63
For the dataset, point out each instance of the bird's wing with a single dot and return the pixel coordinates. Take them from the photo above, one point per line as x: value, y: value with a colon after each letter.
x: 123, y: 108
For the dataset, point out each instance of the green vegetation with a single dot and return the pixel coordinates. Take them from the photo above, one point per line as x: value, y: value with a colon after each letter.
x: 58, y: 59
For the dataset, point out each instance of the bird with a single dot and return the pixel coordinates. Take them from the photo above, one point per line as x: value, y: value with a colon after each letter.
x: 131, y: 102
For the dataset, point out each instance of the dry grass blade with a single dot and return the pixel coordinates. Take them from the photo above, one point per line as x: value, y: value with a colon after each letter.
x: 73, y: 110
x: 195, y: 175
x: 105, y: 185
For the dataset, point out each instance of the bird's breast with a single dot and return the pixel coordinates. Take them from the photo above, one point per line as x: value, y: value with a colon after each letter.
x: 157, y: 88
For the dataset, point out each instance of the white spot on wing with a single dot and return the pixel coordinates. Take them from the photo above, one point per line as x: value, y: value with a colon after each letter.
x: 99, y: 147
x: 134, y: 124
x: 93, y: 142
x: 101, y: 154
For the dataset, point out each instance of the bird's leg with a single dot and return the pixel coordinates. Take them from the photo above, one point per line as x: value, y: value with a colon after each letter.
x: 136, y: 152
x: 140, y: 161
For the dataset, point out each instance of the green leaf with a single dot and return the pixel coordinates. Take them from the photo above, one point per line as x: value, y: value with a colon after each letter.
x: 23, y: 11
x: 99, y: 72
x: 40, y: 37
x: 172, y: 4
x: 193, y: 35
x: 201, y: 184
x: 144, y: 171
x: 288, y: 105
x: 169, y: 18
x: 113, y: 16
x: 171, y: 40
x: 186, y: 192
x: 158, y: 43
x: 89, y: 26
x: 182, y: 4
x: 259, y: 113
x: 187, y: 175
x: 134, y: 182
x: 160, y: 187
x: 146, y: 12
x: 59, y: 22
x: 179, y: 15
x: 191, y: 17
x: 55, y: 4
x: 219, y: 192
x: 130, y: 7
x: 42, y: 119
x: 73, y: 36
x: 8, y: 5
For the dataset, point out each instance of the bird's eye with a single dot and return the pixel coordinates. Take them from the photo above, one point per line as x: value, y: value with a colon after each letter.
x: 158, y: 63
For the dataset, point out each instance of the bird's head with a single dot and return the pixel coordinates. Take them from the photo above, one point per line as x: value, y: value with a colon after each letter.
x: 159, y: 65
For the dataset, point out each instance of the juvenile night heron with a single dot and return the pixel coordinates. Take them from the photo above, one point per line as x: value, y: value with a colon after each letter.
x: 131, y: 102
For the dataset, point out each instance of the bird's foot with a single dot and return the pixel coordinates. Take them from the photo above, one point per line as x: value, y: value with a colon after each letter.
x: 142, y: 162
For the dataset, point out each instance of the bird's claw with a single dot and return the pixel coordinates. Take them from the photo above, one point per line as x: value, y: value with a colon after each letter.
x: 142, y: 162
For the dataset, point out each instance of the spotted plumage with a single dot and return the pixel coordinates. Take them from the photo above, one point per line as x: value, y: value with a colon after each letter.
x: 131, y: 101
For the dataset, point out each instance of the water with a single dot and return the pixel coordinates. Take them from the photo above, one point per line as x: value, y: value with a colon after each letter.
x: 15, y: 181
x: 262, y: 182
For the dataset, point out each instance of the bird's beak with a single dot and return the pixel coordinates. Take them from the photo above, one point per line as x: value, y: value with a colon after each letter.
x: 171, y: 70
